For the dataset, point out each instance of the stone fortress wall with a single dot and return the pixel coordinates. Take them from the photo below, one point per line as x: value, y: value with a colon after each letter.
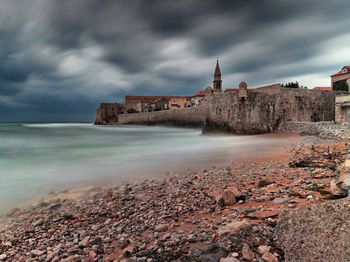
x: 248, y: 111
x: 191, y: 116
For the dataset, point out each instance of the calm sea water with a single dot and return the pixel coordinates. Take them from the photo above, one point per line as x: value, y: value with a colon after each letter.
x: 38, y: 158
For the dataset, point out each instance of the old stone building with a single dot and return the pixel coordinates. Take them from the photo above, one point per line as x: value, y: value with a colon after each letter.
x: 341, y: 80
x: 198, y: 97
x: 160, y: 104
x: 177, y: 102
x: 342, y: 108
x: 140, y: 104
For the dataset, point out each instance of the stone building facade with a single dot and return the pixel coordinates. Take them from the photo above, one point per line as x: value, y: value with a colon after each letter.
x: 342, y: 109
x: 341, y: 79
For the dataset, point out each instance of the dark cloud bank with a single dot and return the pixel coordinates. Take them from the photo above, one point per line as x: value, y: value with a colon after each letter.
x: 60, y: 58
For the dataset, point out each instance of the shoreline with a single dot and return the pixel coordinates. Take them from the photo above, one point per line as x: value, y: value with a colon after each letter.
x: 207, y: 215
x: 81, y: 190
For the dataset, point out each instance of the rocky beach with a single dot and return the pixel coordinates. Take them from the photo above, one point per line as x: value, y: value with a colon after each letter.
x: 243, y: 211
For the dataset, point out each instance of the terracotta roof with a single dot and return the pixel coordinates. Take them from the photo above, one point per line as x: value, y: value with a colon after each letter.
x: 153, y: 98
x: 341, y: 71
x: 323, y: 88
x: 199, y: 93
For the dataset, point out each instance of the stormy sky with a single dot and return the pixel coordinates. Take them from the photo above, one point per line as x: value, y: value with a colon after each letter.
x: 60, y: 58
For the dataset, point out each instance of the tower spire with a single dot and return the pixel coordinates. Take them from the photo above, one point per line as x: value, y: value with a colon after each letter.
x: 217, y: 83
x: 217, y: 68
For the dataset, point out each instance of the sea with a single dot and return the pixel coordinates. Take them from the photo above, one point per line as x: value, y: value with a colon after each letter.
x: 36, y: 159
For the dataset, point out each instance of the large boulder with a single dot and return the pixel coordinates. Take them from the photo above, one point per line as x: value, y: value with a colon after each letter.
x: 315, y: 233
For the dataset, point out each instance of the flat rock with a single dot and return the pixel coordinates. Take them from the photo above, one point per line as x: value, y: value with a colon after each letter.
x: 233, y: 227
x: 229, y: 259
x: 281, y: 200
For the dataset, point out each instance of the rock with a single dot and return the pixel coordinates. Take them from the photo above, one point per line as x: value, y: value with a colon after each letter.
x: 235, y: 254
x: 161, y: 228
x: 7, y: 244
x: 337, y: 190
x: 263, y: 249
x: 229, y: 259
x: 96, y: 241
x: 37, y: 253
x: 268, y: 257
x: 68, y: 216
x: 250, y: 210
x: 38, y: 222
x: 3, y: 257
x: 264, y: 214
x: 247, y: 253
x: 14, y: 212
x: 84, y: 242
x: 233, y: 227
x: 234, y: 191
x: 223, y: 197
x: 54, y: 206
x: 309, y: 197
x: 50, y: 256
x: 264, y: 182
x: 127, y: 251
x: 92, y: 254
x: 280, y: 200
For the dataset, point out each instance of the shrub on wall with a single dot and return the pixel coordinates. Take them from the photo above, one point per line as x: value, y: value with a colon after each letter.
x: 293, y: 85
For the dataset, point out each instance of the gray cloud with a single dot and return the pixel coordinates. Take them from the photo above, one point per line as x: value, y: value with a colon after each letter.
x: 61, y: 58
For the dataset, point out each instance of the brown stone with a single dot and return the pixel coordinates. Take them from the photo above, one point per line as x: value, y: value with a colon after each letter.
x: 247, y: 253
x: 223, y: 197
x: 337, y: 190
x: 269, y: 257
x: 232, y: 227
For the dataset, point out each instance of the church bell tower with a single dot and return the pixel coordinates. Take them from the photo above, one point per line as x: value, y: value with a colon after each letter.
x: 217, y: 83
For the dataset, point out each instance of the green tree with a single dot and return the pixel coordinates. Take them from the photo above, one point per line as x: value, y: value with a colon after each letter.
x: 292, y: 85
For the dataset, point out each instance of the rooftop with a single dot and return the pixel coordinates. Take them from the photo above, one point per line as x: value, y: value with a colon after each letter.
x: 342, y: 72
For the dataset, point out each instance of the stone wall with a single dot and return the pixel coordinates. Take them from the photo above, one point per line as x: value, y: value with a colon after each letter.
x: 257, y: 112
x: 193, y: 116
x: 342, y: 103
x: 264, y: 112
x: 107, y: 113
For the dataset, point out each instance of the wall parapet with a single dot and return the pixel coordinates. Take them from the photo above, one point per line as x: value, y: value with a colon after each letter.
x: 193, y: 116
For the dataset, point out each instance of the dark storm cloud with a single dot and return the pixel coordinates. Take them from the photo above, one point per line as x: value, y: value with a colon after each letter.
x: 61, y: 58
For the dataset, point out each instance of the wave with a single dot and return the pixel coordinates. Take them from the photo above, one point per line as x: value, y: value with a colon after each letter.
x: 55, y: 125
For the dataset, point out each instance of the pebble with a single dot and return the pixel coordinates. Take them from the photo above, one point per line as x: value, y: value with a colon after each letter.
x: 280, y: 200
x: 229, y: 259
x: 263, y: 249
x: 161, y: 228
